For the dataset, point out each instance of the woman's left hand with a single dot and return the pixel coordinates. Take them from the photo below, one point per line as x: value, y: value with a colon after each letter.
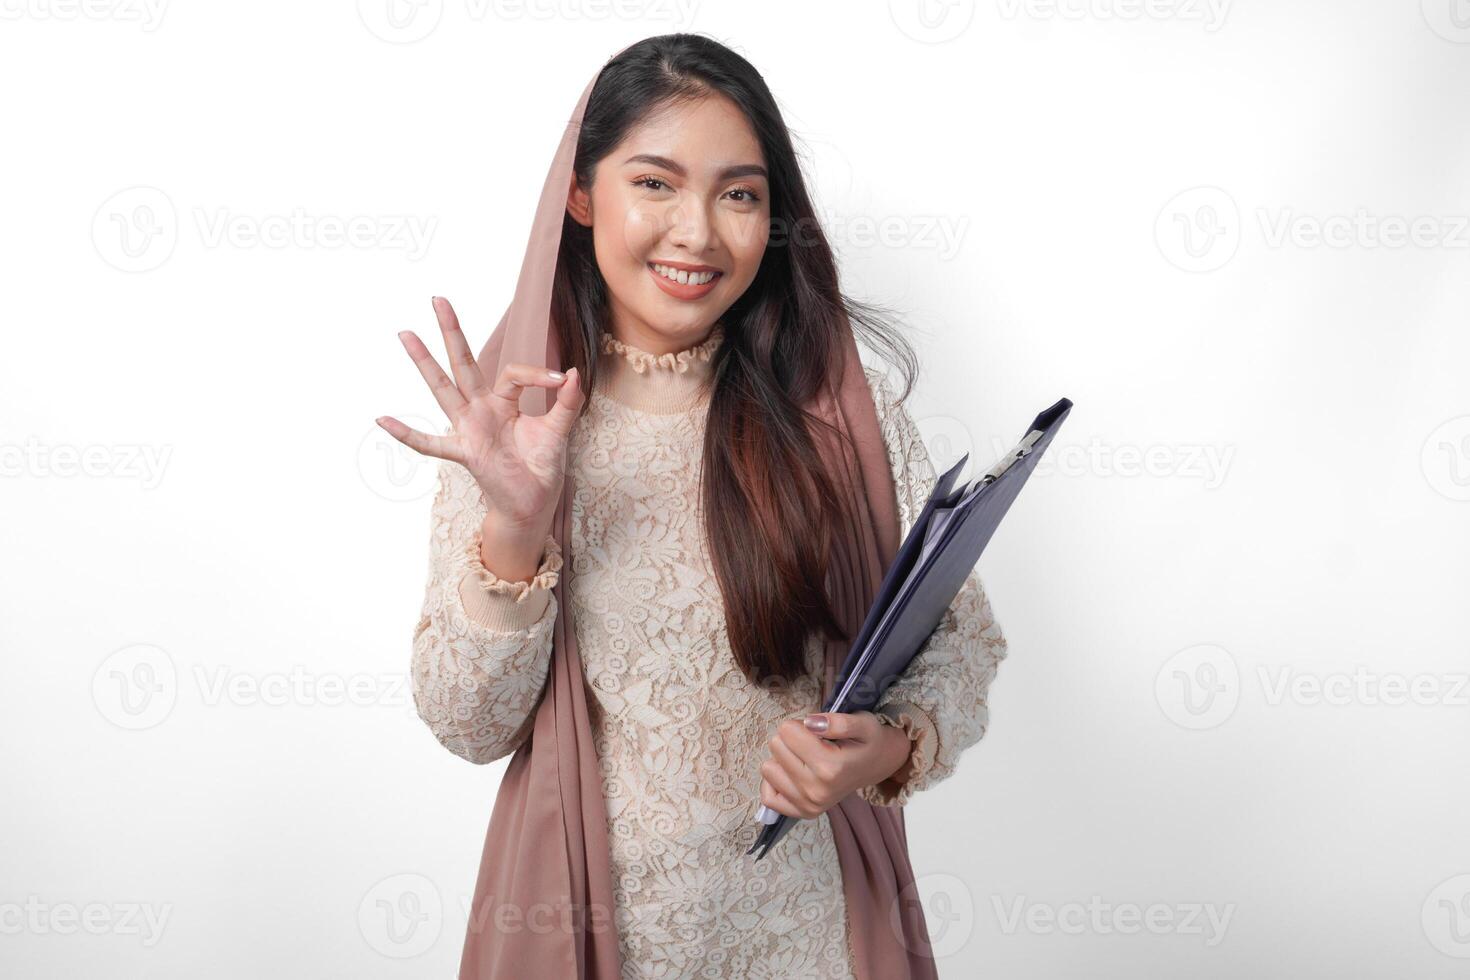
x: 809, y: 771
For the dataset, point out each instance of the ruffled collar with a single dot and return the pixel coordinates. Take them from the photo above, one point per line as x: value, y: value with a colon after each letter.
x: 660, y: 383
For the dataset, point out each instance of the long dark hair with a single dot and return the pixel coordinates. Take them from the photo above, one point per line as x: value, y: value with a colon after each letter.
x: 767, y: 498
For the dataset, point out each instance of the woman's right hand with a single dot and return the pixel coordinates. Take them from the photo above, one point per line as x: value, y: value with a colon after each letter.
x: 518, y: 460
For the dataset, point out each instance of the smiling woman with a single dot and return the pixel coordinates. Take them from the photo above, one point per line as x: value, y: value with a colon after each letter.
x: 643, y: 590
x: 679, y: 218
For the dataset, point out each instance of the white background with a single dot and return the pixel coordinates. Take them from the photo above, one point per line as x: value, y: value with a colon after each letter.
x: 1262, y: 488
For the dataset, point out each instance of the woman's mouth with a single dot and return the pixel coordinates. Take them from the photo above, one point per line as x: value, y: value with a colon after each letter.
x: 693, y: 284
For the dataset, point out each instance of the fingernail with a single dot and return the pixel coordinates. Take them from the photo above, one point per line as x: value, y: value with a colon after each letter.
x: 815, y: 723
x: 555, y: 375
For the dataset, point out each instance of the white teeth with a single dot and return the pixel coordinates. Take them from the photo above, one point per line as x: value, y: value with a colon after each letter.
x: 681, y: 276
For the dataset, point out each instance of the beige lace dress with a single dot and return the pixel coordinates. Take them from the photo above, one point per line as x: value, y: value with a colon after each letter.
x: 680, y: 731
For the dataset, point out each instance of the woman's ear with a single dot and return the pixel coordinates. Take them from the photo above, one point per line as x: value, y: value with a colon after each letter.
x: 579, y: 204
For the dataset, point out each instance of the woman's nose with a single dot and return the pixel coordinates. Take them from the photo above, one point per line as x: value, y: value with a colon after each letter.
x: 691, y: 227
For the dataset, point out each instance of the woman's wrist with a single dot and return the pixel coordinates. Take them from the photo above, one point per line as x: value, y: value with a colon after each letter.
x: 899, y: 748
x: 511, y: 552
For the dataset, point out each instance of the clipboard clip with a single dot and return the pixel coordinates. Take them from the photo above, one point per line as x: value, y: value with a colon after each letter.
x: 1022, y: 450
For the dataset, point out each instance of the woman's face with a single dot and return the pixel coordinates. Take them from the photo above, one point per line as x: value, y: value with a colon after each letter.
x: 686, y: 194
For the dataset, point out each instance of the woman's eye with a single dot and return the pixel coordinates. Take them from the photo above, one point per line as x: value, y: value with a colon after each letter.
x: 655, y: 184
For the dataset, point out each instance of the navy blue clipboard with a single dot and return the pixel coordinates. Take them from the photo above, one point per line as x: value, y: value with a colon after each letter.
x: 939, y: 552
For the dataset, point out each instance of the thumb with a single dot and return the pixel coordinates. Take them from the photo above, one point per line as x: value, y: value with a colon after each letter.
x: 838, y: 725
x: 569, y: 398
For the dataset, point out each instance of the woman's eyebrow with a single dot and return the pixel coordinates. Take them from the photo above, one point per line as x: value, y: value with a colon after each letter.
x: 735, y: 170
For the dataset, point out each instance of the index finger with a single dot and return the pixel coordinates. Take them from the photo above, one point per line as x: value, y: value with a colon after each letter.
x: 807, y: 746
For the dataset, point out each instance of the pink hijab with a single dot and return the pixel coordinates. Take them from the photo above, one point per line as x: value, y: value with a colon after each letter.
x: 543, y: 903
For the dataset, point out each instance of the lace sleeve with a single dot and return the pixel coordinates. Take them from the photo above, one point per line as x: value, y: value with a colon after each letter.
x: 482, y: 646
x: 940, y: 701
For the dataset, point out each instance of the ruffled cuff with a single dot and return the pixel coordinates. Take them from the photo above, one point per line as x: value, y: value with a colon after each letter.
x: 919, y: 727
x: 498, y: 604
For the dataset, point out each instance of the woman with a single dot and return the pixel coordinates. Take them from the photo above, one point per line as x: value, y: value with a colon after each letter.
x: 675, y: 495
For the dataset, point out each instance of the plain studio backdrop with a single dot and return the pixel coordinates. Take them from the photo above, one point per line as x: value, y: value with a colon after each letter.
x: 1230, y: 736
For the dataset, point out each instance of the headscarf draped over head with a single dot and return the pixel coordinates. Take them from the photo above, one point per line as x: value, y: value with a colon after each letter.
x: 543, y: 903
